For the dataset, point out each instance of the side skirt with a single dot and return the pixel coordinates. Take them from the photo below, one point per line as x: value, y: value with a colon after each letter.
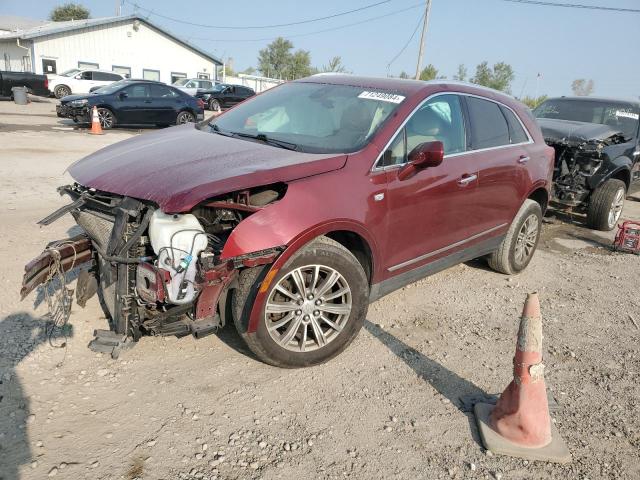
x: 392, y: 284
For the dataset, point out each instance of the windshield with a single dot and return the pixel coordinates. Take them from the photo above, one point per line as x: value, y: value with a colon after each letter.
x: 621, y: 116
x: 70, y: 73
x: 181, y: 82
x: 112, y: 87
x: 316, y: 118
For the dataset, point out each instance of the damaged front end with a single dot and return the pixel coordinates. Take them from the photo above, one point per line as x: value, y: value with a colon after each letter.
x: 154, y: 273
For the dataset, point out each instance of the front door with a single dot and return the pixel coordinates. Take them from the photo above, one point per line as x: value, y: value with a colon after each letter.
x: 429, y: 213
x: 49, y: 67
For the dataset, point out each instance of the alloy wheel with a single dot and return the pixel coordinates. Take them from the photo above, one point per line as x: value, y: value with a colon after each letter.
x: 526, y: 240
x: 616, y: 208
x: 308, y: 308
x: 214, y: 105
x: 105, y: 117
x: 184, y: 117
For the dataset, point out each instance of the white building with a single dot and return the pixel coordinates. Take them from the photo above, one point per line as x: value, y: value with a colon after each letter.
x: 129, y: 44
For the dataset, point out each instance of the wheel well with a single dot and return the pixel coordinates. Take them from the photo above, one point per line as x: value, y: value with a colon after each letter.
x: 623, y: 175
x: 358, y: 246
x: 541, y: 196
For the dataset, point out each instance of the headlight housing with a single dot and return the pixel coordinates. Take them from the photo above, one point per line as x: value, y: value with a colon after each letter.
x: 79, y: 103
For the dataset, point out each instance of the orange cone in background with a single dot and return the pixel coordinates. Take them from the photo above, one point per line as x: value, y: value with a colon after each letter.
x: 519, y: 424
x: 96, y: 128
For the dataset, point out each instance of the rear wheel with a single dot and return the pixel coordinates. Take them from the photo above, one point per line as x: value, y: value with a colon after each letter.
x: 61, y: 91
x: 606, y: 204
x: 518, y: 246
x: 315, y: 306
x: 185, y: 117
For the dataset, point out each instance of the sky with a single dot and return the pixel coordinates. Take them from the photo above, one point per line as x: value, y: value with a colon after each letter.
x: 560, y: 44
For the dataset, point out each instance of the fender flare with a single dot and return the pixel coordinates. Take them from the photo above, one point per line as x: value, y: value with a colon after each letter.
x: 618, y: 165
x: 294, y: 246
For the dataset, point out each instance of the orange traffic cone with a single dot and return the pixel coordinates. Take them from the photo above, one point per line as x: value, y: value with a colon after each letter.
x: 520, y: 425
x: 96, y: 128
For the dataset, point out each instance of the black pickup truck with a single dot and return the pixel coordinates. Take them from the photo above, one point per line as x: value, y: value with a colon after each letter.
x: 37, y: 84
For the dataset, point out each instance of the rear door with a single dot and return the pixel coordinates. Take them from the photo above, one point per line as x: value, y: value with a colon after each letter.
x: 429, y: 214
x: 502, y: 165
x: 165, y: 103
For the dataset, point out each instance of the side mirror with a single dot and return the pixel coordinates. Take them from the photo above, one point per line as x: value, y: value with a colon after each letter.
x: 425, y: 155
x: 78, y: 77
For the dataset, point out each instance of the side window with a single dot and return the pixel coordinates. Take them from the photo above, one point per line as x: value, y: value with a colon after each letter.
x: 162, y: 91
x: 516, y: 132
x: 439, y: 119
x: 88, y: 75
x: 396, y: 153
x: 488, y: 125
x: 106, y: 77
x: 137, y: 91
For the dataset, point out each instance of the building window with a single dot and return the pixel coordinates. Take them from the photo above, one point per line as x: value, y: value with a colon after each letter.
x: 151, y: 74
x: 204, y: 76
x: 87, y: 65
x: 175, y: 76
x: 126, y: 71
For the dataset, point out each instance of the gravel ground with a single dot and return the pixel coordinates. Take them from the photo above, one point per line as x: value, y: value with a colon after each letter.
x: 395, y: 404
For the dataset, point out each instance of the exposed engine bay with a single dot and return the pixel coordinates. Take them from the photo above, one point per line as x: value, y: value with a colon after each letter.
x: 577, y: 160
x: 154, y: 273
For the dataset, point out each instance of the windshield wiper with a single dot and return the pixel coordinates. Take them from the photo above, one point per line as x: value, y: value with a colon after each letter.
x: 270, y: 141
x: 216, y: 129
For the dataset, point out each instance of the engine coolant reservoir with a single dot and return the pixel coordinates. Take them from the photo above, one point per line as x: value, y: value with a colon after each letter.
x: 178, y: 240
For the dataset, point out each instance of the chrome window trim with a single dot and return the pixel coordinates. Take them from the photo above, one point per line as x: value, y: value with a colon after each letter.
x: 444, y: 249
x: 376, y: 168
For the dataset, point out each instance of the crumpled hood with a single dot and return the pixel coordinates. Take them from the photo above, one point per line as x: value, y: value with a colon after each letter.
x: 572, y: 132
x: 180, y: 167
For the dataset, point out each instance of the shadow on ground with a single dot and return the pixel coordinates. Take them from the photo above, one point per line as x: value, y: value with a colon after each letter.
x: 462, y: 393
x: 20, y: 334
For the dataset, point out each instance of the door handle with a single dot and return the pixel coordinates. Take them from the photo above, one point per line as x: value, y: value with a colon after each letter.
x: 467, y: 179
x: 523, y: 159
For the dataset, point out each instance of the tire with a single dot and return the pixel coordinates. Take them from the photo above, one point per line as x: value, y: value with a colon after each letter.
x: 61, y: 91
x: 106, y: 117
x: 606, y: 204
x: 518, y: 246
x: 214, y: 105
x: 277, y: 348
x: 185, y: 117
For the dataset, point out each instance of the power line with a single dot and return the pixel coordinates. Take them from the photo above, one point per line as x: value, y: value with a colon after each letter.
x: 267, y: 39
x: 575, y: 5
x: 237, y: 27
x: 415, y: 30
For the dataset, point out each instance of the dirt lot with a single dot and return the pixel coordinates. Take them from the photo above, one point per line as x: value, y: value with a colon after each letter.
x: 394, y: 405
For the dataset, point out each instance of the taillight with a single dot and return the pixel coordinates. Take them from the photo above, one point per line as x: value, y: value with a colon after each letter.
x: 46, y: 83
x: 200, y: 102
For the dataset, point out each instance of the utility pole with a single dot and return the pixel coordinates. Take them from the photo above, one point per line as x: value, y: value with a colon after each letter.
x: 424, y: 32
x: 118, y: 8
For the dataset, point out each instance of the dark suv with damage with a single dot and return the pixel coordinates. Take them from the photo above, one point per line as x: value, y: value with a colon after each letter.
x: 597, y: 154
x: 287, y: 214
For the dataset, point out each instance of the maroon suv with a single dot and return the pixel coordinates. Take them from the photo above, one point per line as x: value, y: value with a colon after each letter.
x: 289, y: 213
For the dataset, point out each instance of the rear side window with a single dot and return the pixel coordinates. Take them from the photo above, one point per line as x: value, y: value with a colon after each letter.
x: 516, y: 132
x: 488, y: 125
x: 162, y: 91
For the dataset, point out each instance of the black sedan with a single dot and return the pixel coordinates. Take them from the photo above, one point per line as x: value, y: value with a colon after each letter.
x: 224, y: 95
x: 133, y: 102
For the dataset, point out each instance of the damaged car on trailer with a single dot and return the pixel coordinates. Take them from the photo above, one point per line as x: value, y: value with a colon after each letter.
x: 597, y: 154
x: 289, y: 213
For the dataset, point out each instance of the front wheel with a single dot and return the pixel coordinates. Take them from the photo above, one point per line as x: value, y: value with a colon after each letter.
x: 606, y: 204
x: 61, y: 91
x: 214, y: 105
x: 315, y: 306
x: 518, y: 246
x: 185, y: 117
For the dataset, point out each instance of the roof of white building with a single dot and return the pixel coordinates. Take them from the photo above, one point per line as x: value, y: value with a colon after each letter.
x: 31, y: 29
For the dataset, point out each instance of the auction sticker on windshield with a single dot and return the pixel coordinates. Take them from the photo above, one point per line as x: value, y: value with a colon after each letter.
x: 633, y: 116
x: 382, y: 96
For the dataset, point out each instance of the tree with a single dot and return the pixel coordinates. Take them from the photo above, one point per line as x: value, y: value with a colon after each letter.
x: 404, y: 74
x: 499, y: 77
x: 462, y: 73
x: 277, y: 60
x: 582, y: 87
x: 533, y: 102
x: 249, y: 71
x: 69, y: 11
x: 335, y: 65
x: 429, y: 73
